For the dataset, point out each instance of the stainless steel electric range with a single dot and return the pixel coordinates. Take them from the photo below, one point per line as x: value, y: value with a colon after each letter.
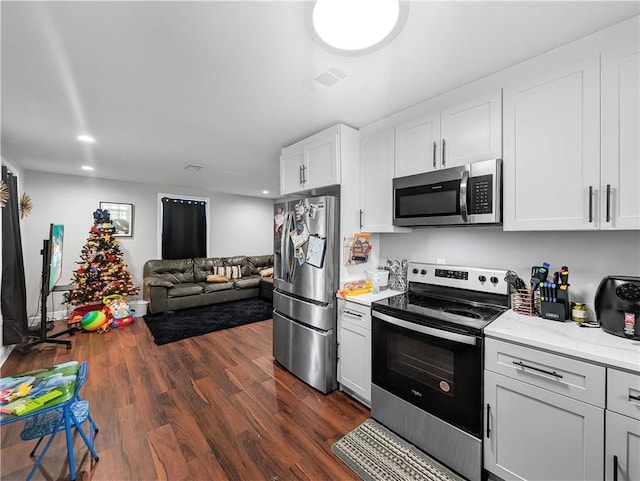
x: 428, y: 356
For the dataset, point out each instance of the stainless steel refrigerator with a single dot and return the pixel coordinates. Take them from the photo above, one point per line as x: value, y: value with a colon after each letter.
x: 306, y: 271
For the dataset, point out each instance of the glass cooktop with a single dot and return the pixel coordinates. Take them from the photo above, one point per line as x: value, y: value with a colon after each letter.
x: 435, y: 311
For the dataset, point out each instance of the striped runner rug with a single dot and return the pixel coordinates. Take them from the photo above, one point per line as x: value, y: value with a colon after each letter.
x: 374, y: 453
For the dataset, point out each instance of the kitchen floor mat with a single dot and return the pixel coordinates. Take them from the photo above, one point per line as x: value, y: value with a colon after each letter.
x: 374, y: 453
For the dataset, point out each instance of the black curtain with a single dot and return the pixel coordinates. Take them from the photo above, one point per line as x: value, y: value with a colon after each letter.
x: 184, y: 228
x: 15, y: 327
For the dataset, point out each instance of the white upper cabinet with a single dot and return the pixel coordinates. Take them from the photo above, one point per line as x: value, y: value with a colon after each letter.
x: 418, y: 145
x: 463, y: 133
x: 472, y: 131
x: 376, y: 182
x: 620, y: 158
x: 552, y: 149
x: 311, y: 163
x: 291, y: 169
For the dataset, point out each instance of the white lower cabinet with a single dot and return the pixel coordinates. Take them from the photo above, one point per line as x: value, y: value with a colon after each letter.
x: 622, y: 456
x: 354, y: 350
x: 535, y: 428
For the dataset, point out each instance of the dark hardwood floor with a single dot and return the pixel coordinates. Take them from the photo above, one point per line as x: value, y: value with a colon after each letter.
x: 214, y: 407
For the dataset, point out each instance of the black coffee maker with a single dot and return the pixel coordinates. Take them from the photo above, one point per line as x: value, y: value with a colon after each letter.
x: 618, y: 306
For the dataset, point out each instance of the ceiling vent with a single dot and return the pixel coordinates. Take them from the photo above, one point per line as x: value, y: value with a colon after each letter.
x: 193, y: 168
x: 323, y: 80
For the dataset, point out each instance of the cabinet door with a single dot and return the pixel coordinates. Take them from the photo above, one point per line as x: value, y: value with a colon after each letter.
x: 290, y: 171
x: 472, y: 131
x: 622, y: 462
x: 376, y: 182
x: 533, y: 434
x: 321, y: 161
x: 354, y: 351
x: 552, y: 149
x: 418, y: 146
x: 620, y: 174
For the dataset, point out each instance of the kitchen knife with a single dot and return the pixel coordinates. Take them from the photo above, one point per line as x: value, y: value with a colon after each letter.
x: 564, y: 277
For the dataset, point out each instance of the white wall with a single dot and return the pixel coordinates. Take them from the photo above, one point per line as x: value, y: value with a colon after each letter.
x: 239, y: 225
x: 590, y: 256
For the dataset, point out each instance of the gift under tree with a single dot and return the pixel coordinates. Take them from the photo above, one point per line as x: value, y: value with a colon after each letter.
x: 102, y: 270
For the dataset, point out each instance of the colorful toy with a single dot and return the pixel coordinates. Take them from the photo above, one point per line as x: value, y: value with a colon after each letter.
x: 117, y: 310
x: 94, y: 321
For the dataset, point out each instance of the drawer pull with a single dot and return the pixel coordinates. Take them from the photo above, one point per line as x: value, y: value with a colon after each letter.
x: 354, y: 314
x: 525, y: 366
x: 488, y: 421
x: 634, y: 398
x: 615, y: 468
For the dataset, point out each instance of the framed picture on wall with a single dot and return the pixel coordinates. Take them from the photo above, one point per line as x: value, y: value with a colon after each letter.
x: 121, y: 217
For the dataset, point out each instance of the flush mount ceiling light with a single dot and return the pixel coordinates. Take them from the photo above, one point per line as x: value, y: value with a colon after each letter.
x: 356, y: 27
x: 87, y: 167
x: 86, y: 138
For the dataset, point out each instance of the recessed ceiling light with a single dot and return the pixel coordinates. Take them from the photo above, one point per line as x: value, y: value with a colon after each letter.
x: 86, y: 138
x: 87, y: 167
x: 356, y: 27
x: 265, y: 191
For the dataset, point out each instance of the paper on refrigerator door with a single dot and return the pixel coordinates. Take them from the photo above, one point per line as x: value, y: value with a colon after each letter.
x: 315, y: 251
x: 300, y: 235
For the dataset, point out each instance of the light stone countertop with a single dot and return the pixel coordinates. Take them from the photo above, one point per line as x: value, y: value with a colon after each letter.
x: 367, y: 299
x: 567, y: 338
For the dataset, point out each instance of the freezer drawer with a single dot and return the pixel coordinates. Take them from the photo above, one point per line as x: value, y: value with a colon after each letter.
x: 308, y: 353
x: 320, y: 316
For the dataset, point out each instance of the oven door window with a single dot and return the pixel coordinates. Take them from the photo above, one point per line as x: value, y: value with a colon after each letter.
x: 429, y: 200
x: 440, y: 376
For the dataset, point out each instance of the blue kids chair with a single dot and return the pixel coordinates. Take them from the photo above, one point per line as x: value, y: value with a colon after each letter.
x: 73, y: 412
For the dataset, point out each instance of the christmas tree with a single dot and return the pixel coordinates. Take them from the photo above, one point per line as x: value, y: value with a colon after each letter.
x: 102, y: 270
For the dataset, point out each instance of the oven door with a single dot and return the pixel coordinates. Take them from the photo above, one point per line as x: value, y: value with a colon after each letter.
x: 436, y: 370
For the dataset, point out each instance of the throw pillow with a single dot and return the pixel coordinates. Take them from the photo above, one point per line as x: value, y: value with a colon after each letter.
x: 266, y: 272
x: 217, y: 278
x: 232, y: 272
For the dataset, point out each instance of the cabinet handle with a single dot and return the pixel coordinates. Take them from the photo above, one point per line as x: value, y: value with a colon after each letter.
x: 304, y: 174
x: 590, y: 203
x: 351, y: 313
x: 361, y: 218
x: 444, y: 145
x: 488, y: 421
x: 608, y: 202
x: 300, y: 175
x: 634, y: 398
x: 615, y: 468
x: 526, y: 366
x: 434, y: 154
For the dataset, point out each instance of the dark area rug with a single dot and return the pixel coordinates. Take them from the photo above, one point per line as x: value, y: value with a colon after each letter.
x: 376, y: 454
x: 174, y: 326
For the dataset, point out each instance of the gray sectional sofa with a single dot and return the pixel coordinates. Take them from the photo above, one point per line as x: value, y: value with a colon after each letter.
x: 182, y: 283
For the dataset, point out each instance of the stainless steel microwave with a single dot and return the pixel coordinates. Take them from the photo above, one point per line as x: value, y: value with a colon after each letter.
x: 469, y: 194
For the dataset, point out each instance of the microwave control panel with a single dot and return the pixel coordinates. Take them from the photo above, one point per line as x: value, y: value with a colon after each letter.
x: 480, y: 191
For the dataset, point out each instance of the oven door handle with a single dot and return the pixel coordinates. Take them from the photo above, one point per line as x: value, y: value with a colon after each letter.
x: 430, y: 331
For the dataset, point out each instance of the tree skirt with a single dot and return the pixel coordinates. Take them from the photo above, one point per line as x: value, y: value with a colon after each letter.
x: 374, y: 453
x: 173, y: 326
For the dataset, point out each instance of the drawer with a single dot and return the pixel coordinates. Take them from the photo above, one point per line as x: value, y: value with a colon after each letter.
x: 355, y: 313
x: 623, y: 392
x: 576, y: 379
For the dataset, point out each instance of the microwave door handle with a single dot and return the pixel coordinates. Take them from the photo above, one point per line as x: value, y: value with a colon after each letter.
x: 464, y: 181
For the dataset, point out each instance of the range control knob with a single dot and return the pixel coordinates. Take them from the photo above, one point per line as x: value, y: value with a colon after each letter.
x: 423, y: 272
x: 415, y: 271
x: 482, y: 278
x: 494, y: 280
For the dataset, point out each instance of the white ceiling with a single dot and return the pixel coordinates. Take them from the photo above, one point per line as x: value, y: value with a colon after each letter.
x: 223, y: 85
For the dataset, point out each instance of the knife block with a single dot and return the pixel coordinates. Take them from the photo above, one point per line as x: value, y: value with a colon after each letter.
x: 556, y: 311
